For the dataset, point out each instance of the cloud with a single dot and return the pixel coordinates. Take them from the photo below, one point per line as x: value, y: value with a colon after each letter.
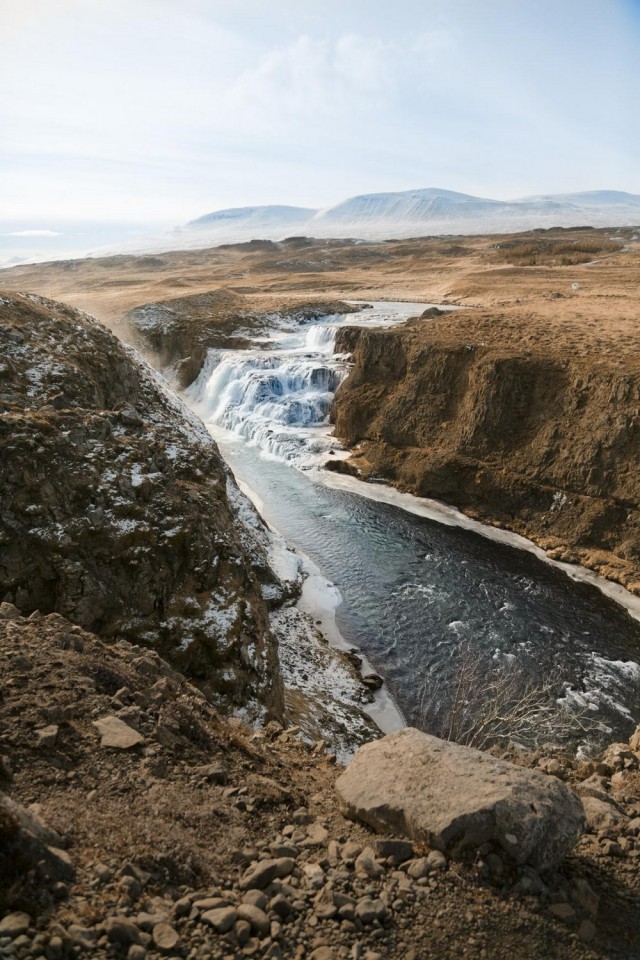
x: 167, y: 108
x: 33, y: 233
x: 312, y: 79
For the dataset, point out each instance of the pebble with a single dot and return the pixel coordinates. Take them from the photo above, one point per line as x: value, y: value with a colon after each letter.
x: 367, y: 865
x: 261, y: 874
x: 256, y: 898
x: 396, y: 851
x: 165, y: 938
x: 316, y: 835
x: 418, y: 868
x: 121, y: 930
x: 136, y: 952
x: 563, y: 911
x: 210, y: 903
x: 314, y: 875
x: 587, y: 931
x: 281, y: 906
x: 350, y: 851
x: 47, y: 736
x: 221, y: 919
x: 368, y: 910
x: 256, y: 917
x: 14, y: 924
x: 242, y: 931
x: 117, y: 734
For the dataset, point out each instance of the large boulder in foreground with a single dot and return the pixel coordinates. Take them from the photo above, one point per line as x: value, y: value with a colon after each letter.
x: 456, y: 799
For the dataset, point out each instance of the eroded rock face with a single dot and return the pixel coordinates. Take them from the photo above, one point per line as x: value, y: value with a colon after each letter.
x: 456, y: 799
x: 116, y: 508
x: 543, y: 443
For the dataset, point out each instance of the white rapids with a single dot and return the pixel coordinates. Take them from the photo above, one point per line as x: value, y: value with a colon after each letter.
x: 279, y: 395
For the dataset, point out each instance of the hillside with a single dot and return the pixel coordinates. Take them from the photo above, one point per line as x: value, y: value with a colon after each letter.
x: 135, y: 822
x: 117, y: 510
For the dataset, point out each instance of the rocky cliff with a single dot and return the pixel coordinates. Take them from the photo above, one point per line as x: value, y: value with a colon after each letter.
x: 512, y: 430
x: 117, y: 510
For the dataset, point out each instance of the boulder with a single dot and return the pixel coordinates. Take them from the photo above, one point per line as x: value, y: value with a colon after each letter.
x: 456, y: 799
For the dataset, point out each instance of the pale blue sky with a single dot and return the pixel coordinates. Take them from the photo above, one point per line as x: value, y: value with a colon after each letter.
x: 163, y: 110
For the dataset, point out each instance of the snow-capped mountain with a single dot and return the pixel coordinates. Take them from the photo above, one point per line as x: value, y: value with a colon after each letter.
x: 418, y: 212
x: 370, y: 216
x: 255, y: 216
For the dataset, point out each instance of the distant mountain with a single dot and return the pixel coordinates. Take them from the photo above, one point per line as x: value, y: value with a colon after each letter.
x: 595, y: 198
x: 422, y: 212
x: 255, y: 216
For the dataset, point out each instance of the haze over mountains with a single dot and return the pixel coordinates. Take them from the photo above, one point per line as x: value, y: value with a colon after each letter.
x: 419, y: 212
x: 373, y: 216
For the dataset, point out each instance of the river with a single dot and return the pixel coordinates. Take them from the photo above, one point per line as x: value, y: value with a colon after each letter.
x: 418, y: 595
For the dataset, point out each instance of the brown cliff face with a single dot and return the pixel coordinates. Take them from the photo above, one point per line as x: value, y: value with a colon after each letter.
x: 545, y: 442
x: 117, y: 510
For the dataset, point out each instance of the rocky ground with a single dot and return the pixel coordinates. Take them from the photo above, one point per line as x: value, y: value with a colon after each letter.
x: 173, y: 833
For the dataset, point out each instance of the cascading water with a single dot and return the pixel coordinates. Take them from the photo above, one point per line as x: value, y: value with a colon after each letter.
x: 415, y: 592
x: 278, y: 398
x: 321, y: 337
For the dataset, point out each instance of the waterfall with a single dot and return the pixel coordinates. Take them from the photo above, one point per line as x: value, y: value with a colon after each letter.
x: 321, y: 337
x: 279, y: 399
x: 278, y: 396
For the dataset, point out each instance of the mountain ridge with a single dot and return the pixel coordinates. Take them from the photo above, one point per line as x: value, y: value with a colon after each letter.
x: 431, y: 209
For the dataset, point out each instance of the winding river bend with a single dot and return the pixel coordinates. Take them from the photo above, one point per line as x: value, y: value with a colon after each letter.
x: 415, y: 592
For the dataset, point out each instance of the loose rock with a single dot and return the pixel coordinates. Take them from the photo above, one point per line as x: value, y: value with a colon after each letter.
x: 115, y: 733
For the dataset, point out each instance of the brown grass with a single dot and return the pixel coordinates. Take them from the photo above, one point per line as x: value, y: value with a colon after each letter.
x: 552, y: 252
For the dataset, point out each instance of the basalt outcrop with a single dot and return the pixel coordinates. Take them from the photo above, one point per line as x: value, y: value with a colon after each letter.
x: 117, y: 510
x: 539, y: 438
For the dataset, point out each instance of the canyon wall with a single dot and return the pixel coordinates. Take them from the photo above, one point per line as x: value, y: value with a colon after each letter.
x: 511, y: 429
x: 118, y: 512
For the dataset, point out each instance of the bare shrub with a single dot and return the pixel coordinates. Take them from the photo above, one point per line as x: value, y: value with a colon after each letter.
x: 495, y: 708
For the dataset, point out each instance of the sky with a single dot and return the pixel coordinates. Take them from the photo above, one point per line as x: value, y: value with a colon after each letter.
x: 163, y: 110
